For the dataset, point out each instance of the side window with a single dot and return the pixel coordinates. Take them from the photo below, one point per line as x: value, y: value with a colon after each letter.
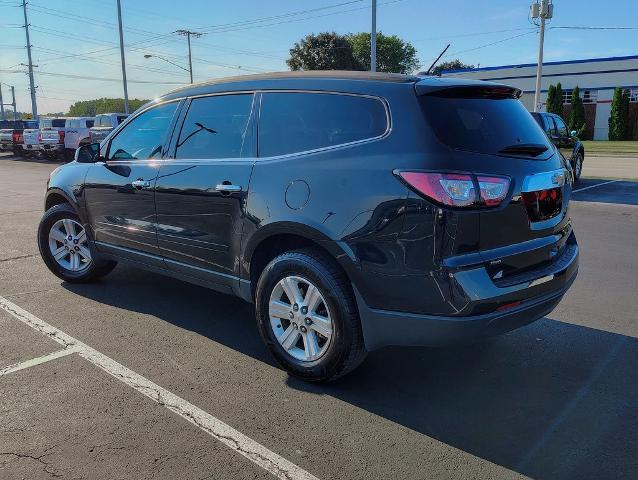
x: 298, y: 122
x: 561, y: 128
x: 89, y: 123
x: 144, y: 136
x: 215, y: 127
x: 550, y: 129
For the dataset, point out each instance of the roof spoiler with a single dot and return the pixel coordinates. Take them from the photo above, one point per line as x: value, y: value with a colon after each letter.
x: 465, y: 89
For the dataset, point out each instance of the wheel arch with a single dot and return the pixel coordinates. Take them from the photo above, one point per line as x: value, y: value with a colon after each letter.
x: 57, y: 196
x: 274, y: 239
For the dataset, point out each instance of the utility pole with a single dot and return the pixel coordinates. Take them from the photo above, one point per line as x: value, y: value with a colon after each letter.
x: 373, y: 38
x: 188, y: 34
x: 1, y: 104
x: 13, y: 95
x: 543, y: 10
x: 34, y: 105
x: 119, y: 20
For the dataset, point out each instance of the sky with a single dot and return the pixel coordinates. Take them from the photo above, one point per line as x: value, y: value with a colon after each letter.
x: 76, y: 49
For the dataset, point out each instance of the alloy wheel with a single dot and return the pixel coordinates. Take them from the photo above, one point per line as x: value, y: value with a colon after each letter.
x: 300, y: 318
x: 69, y: 246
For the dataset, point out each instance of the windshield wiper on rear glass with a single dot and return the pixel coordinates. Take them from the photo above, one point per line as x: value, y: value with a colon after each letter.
x: 531, y: 149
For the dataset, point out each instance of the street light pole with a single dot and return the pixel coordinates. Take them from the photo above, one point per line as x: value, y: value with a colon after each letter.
x: 543, y: 10
x: 119, y: 20
x: 1, y: 104
x: 34, y: 105
x: 13, y: 96
x: 187, y: 34
x: 373, y: 38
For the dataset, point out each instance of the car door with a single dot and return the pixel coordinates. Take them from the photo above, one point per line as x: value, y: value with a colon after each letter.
x: 564, y: 141
x: 118, y: 192
x: 201, y: 193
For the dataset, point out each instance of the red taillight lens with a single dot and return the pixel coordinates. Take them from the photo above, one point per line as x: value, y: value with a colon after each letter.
x: 493, y: 190
x: 16, y: 137
x: 39, y: 137
x: 458, y: 189
x: 61, y: 135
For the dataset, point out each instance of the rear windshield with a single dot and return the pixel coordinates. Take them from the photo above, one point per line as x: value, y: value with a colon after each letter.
x: 482, y: 125
x: 103, y: 121
x: 52, y: 122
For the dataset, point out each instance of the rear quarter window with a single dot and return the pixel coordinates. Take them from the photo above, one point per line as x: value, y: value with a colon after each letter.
x: 291, y: 122
x: 58, y: 122
x: 481, y: 125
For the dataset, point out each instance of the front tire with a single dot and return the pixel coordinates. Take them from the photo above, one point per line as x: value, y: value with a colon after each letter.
x: 66, y: 248
x: 307, y: 316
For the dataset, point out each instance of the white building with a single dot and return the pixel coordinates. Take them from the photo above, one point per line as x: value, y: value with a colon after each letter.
x: 596, y: 78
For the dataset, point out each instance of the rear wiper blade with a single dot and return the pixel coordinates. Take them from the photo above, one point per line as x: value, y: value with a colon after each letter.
x: 532, y: 149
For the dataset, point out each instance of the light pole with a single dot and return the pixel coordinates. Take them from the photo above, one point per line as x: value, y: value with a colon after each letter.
x: 543, y: 10
x: 188, y: 34
x: 1, y: 104
x: 119, y: 21
x: 373, y: 38
x: 148, y: 55
x: 34, y: 105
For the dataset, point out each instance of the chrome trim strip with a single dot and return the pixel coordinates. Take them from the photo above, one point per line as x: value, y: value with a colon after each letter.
x: 544, y: 180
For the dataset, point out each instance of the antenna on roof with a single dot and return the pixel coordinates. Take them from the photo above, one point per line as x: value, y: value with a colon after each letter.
x: 437, y: 59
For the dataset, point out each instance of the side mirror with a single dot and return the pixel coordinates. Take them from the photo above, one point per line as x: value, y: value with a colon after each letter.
x: 573, y: 133
x: 88, y: 153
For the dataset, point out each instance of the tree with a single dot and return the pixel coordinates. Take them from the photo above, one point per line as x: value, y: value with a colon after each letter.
x: 576, y: 119
x: 635, y: 134
x: 449, y: 65
x: 618, y: 116
x: 393, y: 54
x: 555, y: 101
x: 323, y: 51
x: 90, y: 108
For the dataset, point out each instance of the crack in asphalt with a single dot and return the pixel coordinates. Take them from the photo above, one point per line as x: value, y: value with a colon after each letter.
x: 19, y: 257
x: 39, y: 458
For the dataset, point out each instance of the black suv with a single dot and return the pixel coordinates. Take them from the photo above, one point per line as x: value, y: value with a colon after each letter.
x: 355, y: 210
x: 567, y: 142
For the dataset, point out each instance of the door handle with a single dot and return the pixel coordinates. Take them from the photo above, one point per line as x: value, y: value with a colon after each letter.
x: 140, y: 184
x: 228, y: 188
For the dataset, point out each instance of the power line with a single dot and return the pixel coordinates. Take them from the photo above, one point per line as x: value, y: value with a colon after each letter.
x: 101, y: 79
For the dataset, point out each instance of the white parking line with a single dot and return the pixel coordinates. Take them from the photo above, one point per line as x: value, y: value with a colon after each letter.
x: 597, y: 185
x: 37, y: 361
x: 252, y: 450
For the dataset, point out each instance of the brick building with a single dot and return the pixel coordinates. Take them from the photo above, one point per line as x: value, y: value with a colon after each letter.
x: 596, y: 78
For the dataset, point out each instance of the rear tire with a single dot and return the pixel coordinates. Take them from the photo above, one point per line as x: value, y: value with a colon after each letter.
x: 321, y: 353
x: 578, y: 166
x: 57, y: 250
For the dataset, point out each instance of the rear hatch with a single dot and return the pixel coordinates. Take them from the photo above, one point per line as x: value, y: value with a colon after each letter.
x: 50, y: 131
x: 30, y: 136
x: 490, y: 133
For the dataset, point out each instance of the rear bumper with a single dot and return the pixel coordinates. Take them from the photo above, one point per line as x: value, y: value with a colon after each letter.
x: 51, y: 147
x: 31, y: 147
x: 537, y: 296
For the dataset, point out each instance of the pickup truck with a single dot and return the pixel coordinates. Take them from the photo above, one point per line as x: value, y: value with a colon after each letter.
x: 11, y: 134
x: 77, y: 132
x: 104, y: 124
x: 51, y: 136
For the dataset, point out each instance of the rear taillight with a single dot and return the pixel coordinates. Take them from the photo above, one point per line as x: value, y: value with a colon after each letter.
x: 61, y: 136
x: 459, y: 189
x: 16, y: 137
x: 543, y: 204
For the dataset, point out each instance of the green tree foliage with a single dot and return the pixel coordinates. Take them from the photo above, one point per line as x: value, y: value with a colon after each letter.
x: 618, y: 121
x: 393, y: 54
x: 576, y: 119
x: 449, y: 65
x: 635, y: 133
x: 90, y: 108
x: 323, y: 51
x: 555, y: 100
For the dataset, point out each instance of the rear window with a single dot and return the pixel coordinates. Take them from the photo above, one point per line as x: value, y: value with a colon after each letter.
x: 103, y: 121
x: 481, y: 125
x: 89, y: 123
x: 298, y: 122
x: 121, y: 118
x: 52, y: 122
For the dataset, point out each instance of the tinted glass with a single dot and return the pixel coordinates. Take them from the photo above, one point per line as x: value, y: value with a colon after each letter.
x: 121, y: 118
x: 298, y: 122
x: 215, y: 127
x: 144, y: 136
x: 89, y: 123
x: 550, y: 129
x: 103, y: 121
x: 482, y: 125
x: 58, y: 122
x: 31, y: 124
x: 561, y: 128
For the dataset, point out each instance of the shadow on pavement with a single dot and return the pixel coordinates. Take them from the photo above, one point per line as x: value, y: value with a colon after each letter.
x: 552, y: 400
x: 623, y: 192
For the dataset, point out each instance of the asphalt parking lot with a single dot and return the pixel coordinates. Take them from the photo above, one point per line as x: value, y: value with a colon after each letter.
x: 170, y: 380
